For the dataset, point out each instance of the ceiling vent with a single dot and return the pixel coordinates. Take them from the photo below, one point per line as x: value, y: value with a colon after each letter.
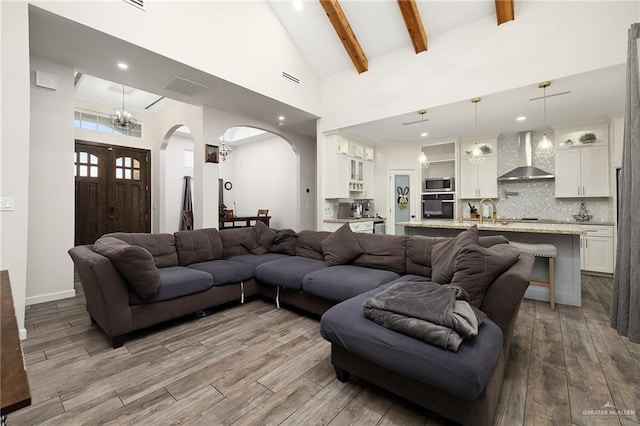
x: 184, y: 87
x: 137, y: 3
x: 290, y: 77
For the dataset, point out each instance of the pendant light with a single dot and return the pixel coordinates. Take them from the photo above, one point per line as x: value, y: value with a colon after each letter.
x: 423, y: 159
x: 225, y: 150
x: 121, y: 118
x: 476, y: 156
x: 545, y: 147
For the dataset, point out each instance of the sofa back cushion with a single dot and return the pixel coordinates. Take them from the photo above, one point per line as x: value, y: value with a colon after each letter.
x: 198, y: 246
x: 134, y: 263
x: 161, y: 246
x: 285, y: 242
x: 308, y: 244
x: 232, y: 242
x: 419, y: 254
x: 382, y: 252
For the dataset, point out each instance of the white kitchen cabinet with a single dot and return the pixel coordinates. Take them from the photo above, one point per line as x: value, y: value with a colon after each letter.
x: 596, y: 249
x: 478, y: 180
x: 582, y: 172
x: 368, y: 182
x: 337, y: 177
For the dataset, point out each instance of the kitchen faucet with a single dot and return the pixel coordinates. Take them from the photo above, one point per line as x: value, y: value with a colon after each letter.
x: 495, y: 210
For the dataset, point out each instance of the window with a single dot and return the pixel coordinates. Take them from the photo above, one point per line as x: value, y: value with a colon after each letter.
x: 102, y: 124
x: 86, y: 165
x: 127, y: 168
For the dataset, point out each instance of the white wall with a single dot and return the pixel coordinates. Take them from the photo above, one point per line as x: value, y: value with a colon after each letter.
x: 51, y: 187
x: 174, y: 172
x: 198, y: 34
x: 547, y: 40
x: 264, y: 175
x: 14, y: 148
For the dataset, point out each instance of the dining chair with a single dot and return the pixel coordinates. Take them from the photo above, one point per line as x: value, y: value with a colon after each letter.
x: 263, y: 212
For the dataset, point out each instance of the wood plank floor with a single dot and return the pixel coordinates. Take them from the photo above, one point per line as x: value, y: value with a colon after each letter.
x: 253, y: 364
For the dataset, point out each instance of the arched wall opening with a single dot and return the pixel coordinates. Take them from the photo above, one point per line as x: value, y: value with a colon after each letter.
x: 176, y: 162
x: 262, y: 172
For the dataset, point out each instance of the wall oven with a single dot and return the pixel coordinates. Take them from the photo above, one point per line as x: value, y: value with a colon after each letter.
x: 443, y: 184
x: 438, y: 206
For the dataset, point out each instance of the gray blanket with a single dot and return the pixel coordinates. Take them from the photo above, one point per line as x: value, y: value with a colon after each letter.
x: 437, y: 314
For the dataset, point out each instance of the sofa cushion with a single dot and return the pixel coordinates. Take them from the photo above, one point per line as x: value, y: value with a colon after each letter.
x: 232, y: 241
x: 477, y: 267
x: 285, y: 242
x: 176, y: 281
x: 308, y: 244
x: 198, y: 246
x: 340, y: 247
x: 134, y: 263
x: 287, y: 272
x: 161, y: 246
x: 419, y: 254
x: 464, y: 373
x: 260, y: 239
x: 225, y: 271
x: 445, y: 253
x: 341, y: 282
x: 255, y: 260
x: 386, y: 252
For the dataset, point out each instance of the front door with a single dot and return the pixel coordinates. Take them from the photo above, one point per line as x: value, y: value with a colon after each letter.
x: 112, y: 191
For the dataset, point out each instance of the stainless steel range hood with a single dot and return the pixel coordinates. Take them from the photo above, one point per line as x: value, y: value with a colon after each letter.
x: 525, y: 170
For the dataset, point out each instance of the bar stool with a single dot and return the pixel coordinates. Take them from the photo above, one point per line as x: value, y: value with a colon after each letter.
x: 549, y: 252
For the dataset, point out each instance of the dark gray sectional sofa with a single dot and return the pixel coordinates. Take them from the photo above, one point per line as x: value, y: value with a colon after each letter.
x: 196, y: 270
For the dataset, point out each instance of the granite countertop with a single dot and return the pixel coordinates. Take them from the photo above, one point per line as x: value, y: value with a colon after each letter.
x: 536, y: 227
x: 353, y: 219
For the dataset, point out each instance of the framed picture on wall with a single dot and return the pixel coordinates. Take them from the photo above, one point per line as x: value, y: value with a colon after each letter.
x: 211, y: 153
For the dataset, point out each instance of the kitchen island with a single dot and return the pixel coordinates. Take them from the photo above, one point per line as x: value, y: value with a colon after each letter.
x: 566, y: 238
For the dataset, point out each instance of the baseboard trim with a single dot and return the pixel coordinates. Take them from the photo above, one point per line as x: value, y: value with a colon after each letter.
x: 50, y: 297
x: 22, y: 334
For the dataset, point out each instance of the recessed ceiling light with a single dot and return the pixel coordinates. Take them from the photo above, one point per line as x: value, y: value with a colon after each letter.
x: 297, y: 5
x: 521, y: 118
x: 123, y: 66
x: 424, y: 134
x: 281, y: 118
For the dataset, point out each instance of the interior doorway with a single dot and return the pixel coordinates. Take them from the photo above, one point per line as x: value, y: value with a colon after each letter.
x: 400, y: 201
x: 112, y: 187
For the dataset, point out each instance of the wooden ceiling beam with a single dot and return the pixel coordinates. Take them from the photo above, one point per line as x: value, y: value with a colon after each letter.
x: 413, y: 21
x: 346, y: 35
x: 504, y: 11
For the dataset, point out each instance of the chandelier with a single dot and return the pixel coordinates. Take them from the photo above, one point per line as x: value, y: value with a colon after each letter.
x: 476, y: 156
x: 225, y: 150
x: 121, y: 118
x: 545, y: 147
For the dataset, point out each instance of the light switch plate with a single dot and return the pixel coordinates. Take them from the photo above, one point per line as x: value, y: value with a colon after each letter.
x: 7, y: 203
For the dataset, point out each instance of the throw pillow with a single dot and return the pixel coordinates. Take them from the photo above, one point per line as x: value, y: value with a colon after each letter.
x: 285, y: 242
x: 340, y: 247
x: 134, y: 263
x: 444, y: 254
x: 477, y: 267
x: 260, y: 239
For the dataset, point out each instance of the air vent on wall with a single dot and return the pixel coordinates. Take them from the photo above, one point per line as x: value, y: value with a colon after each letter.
x: 46, y: 80
x: 290, y: 77
x: 137, y: 3
x: 184, y: 86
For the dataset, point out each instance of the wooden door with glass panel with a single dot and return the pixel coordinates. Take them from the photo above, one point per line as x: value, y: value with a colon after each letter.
x: 112, y: 190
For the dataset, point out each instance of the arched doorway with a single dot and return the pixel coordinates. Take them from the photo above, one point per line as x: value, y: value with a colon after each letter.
x: 262, y: 172
x: 176, y: 162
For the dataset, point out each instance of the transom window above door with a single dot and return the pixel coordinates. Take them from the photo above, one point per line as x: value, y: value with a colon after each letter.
x: 86, y: 165
x: 127, y: 168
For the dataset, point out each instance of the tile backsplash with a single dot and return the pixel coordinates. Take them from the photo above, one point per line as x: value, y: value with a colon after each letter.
x: 536, y: 198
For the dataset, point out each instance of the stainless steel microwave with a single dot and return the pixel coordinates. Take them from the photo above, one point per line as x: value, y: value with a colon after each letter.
x: 444, y: 184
